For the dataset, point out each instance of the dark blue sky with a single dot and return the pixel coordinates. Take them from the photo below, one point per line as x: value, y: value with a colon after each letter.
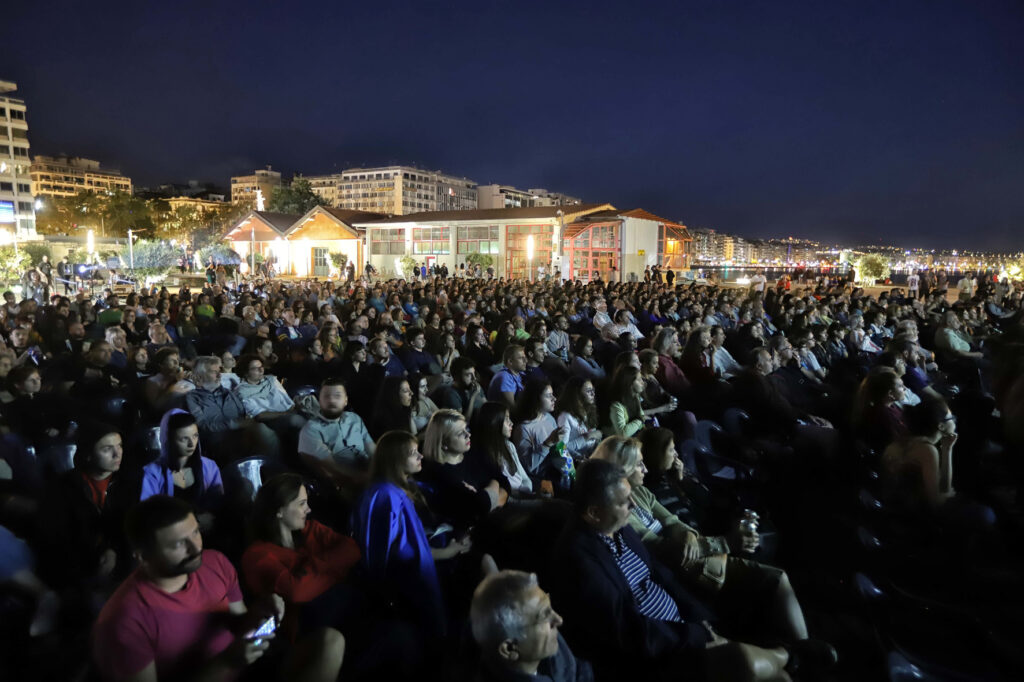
x: 896, y: 121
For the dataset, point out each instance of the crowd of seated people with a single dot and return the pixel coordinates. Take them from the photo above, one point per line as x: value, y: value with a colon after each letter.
x: 481, y: 478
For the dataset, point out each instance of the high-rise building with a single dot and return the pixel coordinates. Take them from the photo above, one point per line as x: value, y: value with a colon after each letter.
x: 401, y: 190
x: 66, y: 176
x: 325, y: 186
x: 244, y: 187
x: 17, y: 210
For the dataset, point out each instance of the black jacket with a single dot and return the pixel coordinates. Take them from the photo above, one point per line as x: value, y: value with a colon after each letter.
x: 602, y: 622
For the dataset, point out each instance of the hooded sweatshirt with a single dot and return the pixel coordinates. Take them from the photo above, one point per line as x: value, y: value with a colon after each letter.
x: 157, y: 477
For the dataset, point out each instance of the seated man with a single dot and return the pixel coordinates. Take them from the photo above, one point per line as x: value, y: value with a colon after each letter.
x: 625, y: 611
x: 517, y: 632
x: 464, y: 393
x: 507, y: 384
x: 220, y: 416
x: 336, y: 441
x: 180, y: 614
x: 415, y: 358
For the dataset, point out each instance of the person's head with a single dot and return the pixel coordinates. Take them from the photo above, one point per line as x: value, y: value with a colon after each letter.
x: 76, y: 330
x: 167, y: 361
x: 164, y: 535
x: 584, y: 347
x: 602, y: 496
x: 493, y: 426
x: 397, y: 456
x: 99, y: 354
x: 514, y: 358
x: 930, y: 418
x: 513, y: 621
x: 446, y: 437
x: 116, y: 337
x: 207, y: 371
x: 666, y: 342
x: 578, y: 398
x: 626, y: 453
x: 6, y: 363
x: 251, y: 368
x: 463, y: 372
x: 416, y: 338
x: 333, y: 398
x: 659, y: 449
x: 534, y: 351
x: 379, y: 350
x: 536, y: 398
x: 648, y: 361
x: 763, y: 363
x: 140, y: 357
x: 782, y: 350
x: 881, y: 387
x: 25, y: 379
x: 717, y: 336
x: 281, y: 508
x: 182, y: 436
x: 627, y: 384
x: 99, y: 449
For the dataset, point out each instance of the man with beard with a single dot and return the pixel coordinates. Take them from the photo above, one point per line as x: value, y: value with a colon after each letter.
x: 336, y: 440
x: 180, y: 614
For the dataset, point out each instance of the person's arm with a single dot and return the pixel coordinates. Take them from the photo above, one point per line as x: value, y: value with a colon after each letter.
x: 310, y: 445
x: 621, y: 425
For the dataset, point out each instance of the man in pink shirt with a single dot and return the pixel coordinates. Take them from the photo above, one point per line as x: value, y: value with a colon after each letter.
x: 175, y: 617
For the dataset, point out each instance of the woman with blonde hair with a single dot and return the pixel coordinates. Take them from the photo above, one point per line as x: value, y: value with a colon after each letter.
x: 740, y: 587
x: 461, y: 487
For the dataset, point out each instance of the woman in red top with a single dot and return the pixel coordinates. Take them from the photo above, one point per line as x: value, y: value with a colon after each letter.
x: 295, y: 557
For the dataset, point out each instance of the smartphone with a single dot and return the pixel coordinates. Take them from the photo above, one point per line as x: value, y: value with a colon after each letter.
x: 268, y: 627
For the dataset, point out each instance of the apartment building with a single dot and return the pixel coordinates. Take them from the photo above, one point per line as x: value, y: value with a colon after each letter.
x: 17, y: 210
x: 66, y: 176
x: 244, y: 187
x: 506, y: 196
x: 325, y: 186
x: 401, y: 190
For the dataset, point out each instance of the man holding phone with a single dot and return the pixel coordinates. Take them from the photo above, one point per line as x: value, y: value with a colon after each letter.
x: 180, y: 614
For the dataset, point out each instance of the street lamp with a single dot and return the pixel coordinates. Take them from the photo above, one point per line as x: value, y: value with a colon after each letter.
x: 529, y: 257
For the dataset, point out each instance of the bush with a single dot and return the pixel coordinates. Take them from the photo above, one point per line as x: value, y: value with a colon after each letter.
x: 221, y: 253
x: 409, y: 267
x: 151, y: 257
x: 12, y: 266
x: 485, y: 260
x: 872, y: 267
x: 36, y: 250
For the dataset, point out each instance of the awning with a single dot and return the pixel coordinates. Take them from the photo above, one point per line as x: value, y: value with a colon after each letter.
x: 677, y: 232
x: 575, y: 229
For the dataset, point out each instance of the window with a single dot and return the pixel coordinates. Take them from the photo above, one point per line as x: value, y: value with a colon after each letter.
x: 478, y: 239
x: 387, y: 241
x: 6, y: 186
x: 25, y: 206
x: 22, y: 187
x: 431, y: 240
x: 17, y: 115
x: 19, y: 133
x: 21, y: 151
x: 3, y: 112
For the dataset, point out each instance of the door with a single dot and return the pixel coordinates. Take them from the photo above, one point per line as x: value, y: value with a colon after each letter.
x: 320, y: 262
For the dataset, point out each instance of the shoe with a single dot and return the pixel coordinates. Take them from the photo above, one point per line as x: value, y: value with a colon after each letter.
x: 811, y: 656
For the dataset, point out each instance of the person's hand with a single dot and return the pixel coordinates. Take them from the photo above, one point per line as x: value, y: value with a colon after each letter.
x: 245, y: 651
x: 691, y: 549
x: 678, y: 469
x: 108, y: 560
x: 594, y: 434
x: 948, y: 440
x: 471, y: 488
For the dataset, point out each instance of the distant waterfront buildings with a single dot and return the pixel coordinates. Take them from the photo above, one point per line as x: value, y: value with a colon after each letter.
x: 244, y: 187
x: 17, y: 209
x: 66, y: 176
x: 395, y: 190
x: 505, y: 196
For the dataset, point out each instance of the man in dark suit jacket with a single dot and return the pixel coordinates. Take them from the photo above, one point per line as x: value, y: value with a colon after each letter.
x: 624, y: 611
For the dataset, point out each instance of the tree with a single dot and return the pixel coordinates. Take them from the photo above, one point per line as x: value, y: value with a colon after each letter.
x: 151, y: 257
x: 872, y: 267
x: 485, y: 260
x: 296, y: 199
x: 409, y: 267
x: 123, y: 212
x: 13, y: 266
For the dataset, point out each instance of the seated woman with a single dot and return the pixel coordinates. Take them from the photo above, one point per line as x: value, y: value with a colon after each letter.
x: 80, y: 519
x: 626, y: 416
x: 917, y: 469
x: 577, y: 410
x: 264, y: 397
x: 423, y: 408
x: 584, y: 365
x: 666, y: 477
x: 295, y: 557
x: 877, y: 414
x: 536, y: 430
x: 493, y: 428
x: 387, y: 526
x: 740, y: 588
x: 181, y: 470
x: 460, y: 486
x: 393, y: 411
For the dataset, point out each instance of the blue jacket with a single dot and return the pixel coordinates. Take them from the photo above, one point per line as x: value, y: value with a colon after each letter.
x: 157, y: 478
x: 396, y: 553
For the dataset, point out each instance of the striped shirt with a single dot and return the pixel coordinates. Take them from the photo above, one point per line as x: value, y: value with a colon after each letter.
x: 651, y: 598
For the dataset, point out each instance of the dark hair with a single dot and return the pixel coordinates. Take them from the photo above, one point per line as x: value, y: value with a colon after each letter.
x: 334, y: 381
x: 622, y: 390
x: 595, y: 481
x: 274, y: 494
x: 386, y: 464
x: 924, y: 418
x: 246, y: 360
x: 571, y: 401
x: 581, y: 343
x: 654, y: 441
x: 461, y: 364
x: 487, y: 426
x: 18, y: 374
x: 179, y: 420
x: 151, y: 515
x: 528, y: 401
x: 89, y: 434
x: 412, y: 333
x: 165, y: 353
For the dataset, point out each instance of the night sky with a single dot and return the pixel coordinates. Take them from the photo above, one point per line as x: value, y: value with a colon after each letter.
x: 851, y: 121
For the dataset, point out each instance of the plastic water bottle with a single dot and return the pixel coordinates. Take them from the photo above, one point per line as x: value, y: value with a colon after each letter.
x: 568, y: 468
